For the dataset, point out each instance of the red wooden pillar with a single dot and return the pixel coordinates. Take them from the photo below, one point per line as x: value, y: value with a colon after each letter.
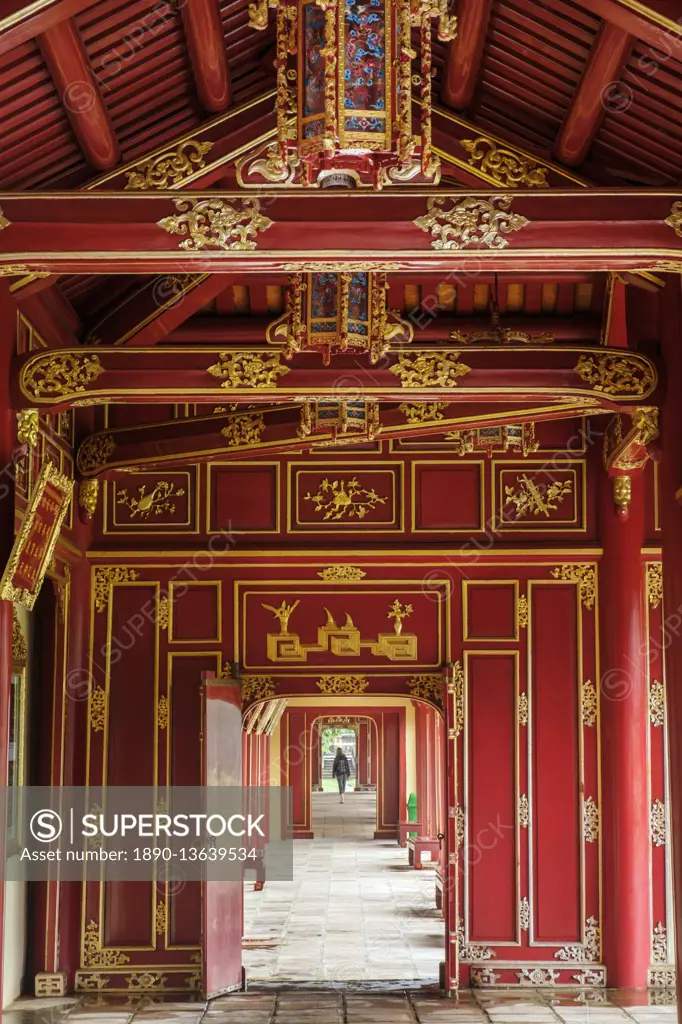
x: 315, y: 754
x: 670, y: 334
x: 363, y: 753
x: 421, y: 742
x: 626, y: 926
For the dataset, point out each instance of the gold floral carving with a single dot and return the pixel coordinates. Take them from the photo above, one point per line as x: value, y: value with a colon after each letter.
x: 217, y: 223
x: 257, y: 688
x: 95, y: 956
x: 430, y: 687
x: 98, y: 709
x: 524, y: 914
x: 335, y: 685
x: 27, y: 427
x: 536, y: 498
x: 19, y: 649
x: 429, y: 369
x: 537, y: 976
x: 94, y: 452
x: 163, y: 712
x: 657, y: 703
x: 146, y: 981
x: 342, y: 572
x: 104, y: 580
x: 500, y: 336
x: 161, y: 918
x: 422, y: 412
x: 616, y: 374
x: 163, y: 611
x: 584, y: 575
x: 248, y: 370
x: 344, y: 499
x: 504, y: 165
x: 88, y: 493
x: 524, y: 811
x: 522, y: 709
x: 654, y: 583
x: 156, y: 501
x: 522, y: 612
x: 243, y: 431
x: 398, y: 612
x: 470, y: 221
x: 460, y: 826
x: 169, y: 168
x: 674, y: 221
x: 58, y: 375
x: 657, y: 822
x: 659, y: 944
x: 588, y: 703
x: 586, y: 952
x: 339, y: 268
x: 590, y: 821
x: 456, y: 690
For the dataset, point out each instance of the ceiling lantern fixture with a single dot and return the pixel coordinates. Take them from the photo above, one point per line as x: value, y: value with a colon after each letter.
x: 344, y: 69
x: 338, y: 312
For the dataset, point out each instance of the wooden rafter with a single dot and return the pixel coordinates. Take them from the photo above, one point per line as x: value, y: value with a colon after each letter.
x: 21, y: 21
x: 657, y: 22
x: 465, y: 52
x: 206, y: 45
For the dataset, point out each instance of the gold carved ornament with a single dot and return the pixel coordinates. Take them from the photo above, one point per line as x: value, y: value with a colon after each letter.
x: 522, y: 709
x: 429, y: 369
x: 469, y: 951
x: 460, y: 825
x: 217, y: 223
x: 429, y: 687
x: 422, y: 412
x: 584, y: 575
x: 622, y: 492
x: 674, y: 221
x: 507, y: 167
x: 19, y: 649
x: 60, y: 375
x: 340, y: 268
x: 616, y: 374
x: 243, y: 431
x: 524, y: 811
x: 522, y: 612
x: 156, y: 501
x: 659, y: 944
x: 21, y: 270
x: 344, y: 499
x: 498, y: 335
x: 524, y: 914
x: 248, y: 370
x: 4, y: 222
x: 257, y: 688
x: 335, y: 685
x: 587, y: 952
x: 654, y: 583
x: 456, y: 691
x: 536, y: 498
x: 588, y: 703
x: 95, y: 956
x: 537, y: 976
x: 659, y: 830
x: 163, y: 712
x: 590, y: 820
x: 342, y: 572
x: 163, y: 611
x: 169, y: 168
x: 657, y: 703
x: 98, y: 709
x: 88, y: 494
x: 470, y: 222
x: 105, y: 579
x: 27, y: 427
x: 94, y: 453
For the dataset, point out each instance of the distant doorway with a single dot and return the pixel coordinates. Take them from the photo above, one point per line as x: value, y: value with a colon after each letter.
x: 333, y: 739
x: 356, y: 817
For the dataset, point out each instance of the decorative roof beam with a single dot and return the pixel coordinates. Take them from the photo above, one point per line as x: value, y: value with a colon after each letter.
x: 20, y: 21
x: 52, y: 316
x: 465, y: 52
x: 206, y: 45
x: 608, y: 55
x: 67, y: 62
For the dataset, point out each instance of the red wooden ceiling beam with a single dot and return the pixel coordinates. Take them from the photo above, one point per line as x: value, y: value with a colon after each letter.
x: 464, y: 55
x: 657, y: 23
x: 67, y: 62
x: 206, y: 45
x: 21, y: 21
x: 608, y: 55
x: 508, y: 374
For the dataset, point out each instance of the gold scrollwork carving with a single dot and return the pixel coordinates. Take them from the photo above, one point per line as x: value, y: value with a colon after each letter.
x: 56, y: 375
x: 340, y: 268
x: 422, y: 412
x: 169, y: 168
x: 257, y: 688
x: 343, y: 499
x: 430, y: 687
x: 163, y: 712
x: 98, y: 709
x: 524, y: 914
x: 105, y: 579
x: 524, y: 811
x: 582, y: 574
x: 535, y: 498
x: 342, y: 572
x: 163, y: 611
x: 456, y: 690
x: 88, y: 494
x: 146, y: 981
x: 586, y: 952
x: 243, y: 431
x: 588, y: 703
x: 654, y: 583
x: 590, y: 820
x: 616, y: 374
x: 156, y: 501
x: 674, y: 221
x: 161, y: 918
x: 504, y: 165
x: 217, y: 223
x: 470, y: 221
x: 522, y: 709
x: 248, y: 369
x: 429, y: 369
x: 537, y: 976
x: 336, y: 685
x: 27, y: 427
x: 94, y: 452
x: 93, y: 953
x: 522, y: 612
x: 659, y: 829
x: 657, y: 703
x: 19, y: 649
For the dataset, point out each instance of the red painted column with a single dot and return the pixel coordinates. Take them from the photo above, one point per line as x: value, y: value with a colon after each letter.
x: 670, y: 335
x: 421, y: 742
x: 363, y: 753
x: 626, y: 928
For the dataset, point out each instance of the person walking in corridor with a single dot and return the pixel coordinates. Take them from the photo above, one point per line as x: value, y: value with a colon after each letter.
x: 341, y: 771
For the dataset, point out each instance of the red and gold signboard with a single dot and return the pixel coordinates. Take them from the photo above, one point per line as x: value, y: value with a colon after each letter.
x: 36, y: 540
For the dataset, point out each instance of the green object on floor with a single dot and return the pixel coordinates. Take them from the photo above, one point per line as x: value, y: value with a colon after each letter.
x: 412, y: 809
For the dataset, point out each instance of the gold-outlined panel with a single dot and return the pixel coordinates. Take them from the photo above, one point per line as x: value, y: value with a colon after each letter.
x: 110, y: 526
x: 466, y: 636
x: 249, y: 464
x: 341, y: 665
x: 455, y: 464
x: 396, y: 470
x: 438, y: 444
x: 172, y: 638
x: 532, y: 524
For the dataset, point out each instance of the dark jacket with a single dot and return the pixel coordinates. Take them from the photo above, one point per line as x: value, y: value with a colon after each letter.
x: 341, y: 766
